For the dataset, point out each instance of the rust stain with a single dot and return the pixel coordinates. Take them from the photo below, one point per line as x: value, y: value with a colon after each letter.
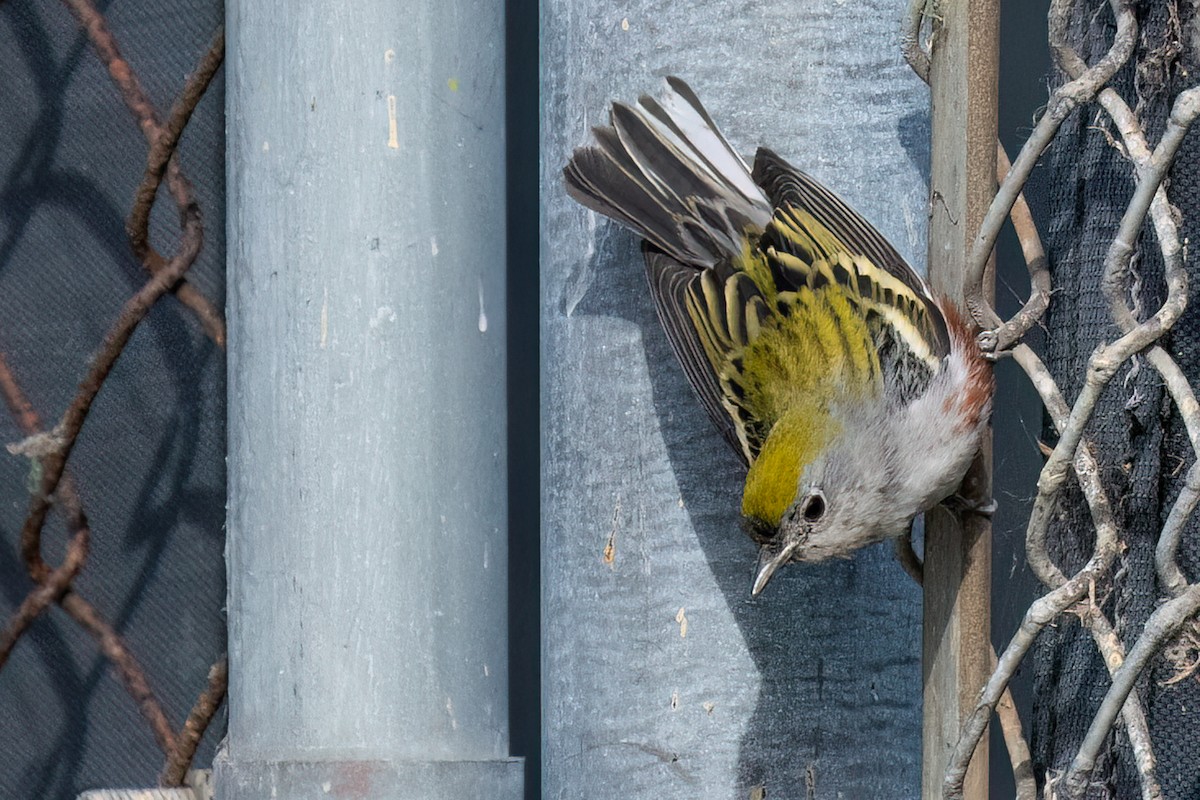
x: 354, y: 781
x: 610, y: 548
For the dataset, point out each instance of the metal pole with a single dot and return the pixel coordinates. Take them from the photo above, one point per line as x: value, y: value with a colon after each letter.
x: 367, y: 485
x: 661, y: 676
x: 958, y: 559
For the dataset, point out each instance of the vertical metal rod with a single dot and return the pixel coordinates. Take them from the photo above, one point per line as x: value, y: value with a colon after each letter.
x: 367, y: 549
x: 957, y: 603
x: 662, y: 677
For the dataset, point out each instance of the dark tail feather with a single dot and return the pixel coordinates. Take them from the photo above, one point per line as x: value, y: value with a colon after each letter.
x: 664, y: 170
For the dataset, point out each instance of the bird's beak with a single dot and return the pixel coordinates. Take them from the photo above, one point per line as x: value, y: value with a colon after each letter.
x: 769, y: 560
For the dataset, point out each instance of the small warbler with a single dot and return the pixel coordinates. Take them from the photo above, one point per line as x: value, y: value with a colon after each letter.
x: 855, y: 396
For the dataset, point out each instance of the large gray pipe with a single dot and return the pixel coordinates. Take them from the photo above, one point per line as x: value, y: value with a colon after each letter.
x: 662, y: 677
x: 367, y: 487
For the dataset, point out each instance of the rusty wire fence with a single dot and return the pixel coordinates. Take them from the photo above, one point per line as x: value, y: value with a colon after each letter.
x: 1084, y: 593
x: 71, y: 448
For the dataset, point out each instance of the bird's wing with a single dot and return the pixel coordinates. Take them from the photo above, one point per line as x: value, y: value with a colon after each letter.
x: 753, y: 353
x: 814, y: 237
x: 885, y: 279
x: 672, y: 284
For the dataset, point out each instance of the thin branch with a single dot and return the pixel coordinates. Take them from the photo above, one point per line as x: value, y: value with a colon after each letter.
x: 1071, y: 450
x: 1151, y: 169
x: 1169, y: 573
x: 1064, y: 593
x: 1006, y: 708
x: 1133, y: 715
x: 1101, y: 367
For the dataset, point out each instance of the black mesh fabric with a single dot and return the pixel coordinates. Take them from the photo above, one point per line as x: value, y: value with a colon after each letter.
x: 149, y: 464
x: 1139, y: 440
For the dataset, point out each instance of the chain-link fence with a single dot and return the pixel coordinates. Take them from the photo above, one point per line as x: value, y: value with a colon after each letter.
x: 113, y: 486
x: 113, y: 490
x: 1101, y: 253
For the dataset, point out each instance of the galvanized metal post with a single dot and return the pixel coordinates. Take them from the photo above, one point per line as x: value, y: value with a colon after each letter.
x: 367, y: 487
x: 661, y: 676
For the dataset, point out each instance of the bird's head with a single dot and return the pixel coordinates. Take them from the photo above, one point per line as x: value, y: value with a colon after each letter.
x: 845, y: 498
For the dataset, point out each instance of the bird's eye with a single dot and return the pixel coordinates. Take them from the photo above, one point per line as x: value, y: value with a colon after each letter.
x: 813, y: 508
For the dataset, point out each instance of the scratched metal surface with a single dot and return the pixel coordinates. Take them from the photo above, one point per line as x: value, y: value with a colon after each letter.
x: 661, y: 677
x: 367, y: 535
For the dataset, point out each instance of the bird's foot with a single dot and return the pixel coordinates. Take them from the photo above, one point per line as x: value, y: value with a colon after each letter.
x: 957, y: 504
x: 989, y: 345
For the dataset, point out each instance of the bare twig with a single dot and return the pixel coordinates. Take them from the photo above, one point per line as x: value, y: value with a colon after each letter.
x: 1151, y: 168
x: 1008, y: 333
x: 1065, y: 592
x: 1006, y: 709
x: 1169, y: 573
x: 1071, y: 451
x: 1009, y: 201
x: 1133, y: 715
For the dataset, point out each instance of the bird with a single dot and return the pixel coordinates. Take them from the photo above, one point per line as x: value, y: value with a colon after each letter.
x: 854, y: 395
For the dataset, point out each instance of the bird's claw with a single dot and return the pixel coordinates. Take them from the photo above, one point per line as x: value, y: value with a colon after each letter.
x: 989, y: 343
x: 957, y: 504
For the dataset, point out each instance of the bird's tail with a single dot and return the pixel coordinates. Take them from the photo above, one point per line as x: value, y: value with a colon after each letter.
x: 663, y: 169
